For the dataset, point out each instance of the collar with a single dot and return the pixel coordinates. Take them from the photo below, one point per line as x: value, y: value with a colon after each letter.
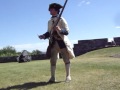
x: 54, y: 16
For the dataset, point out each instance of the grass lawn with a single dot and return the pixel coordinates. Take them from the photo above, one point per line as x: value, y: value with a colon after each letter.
x: 92, y: 71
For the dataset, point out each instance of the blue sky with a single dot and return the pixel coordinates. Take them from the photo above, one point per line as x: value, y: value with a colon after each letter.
x: 22, y: 20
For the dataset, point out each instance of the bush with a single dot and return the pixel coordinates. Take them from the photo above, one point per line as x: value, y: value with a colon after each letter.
x: 8, y: 51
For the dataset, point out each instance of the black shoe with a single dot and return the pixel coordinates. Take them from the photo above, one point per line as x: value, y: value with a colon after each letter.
x: 52, y: 80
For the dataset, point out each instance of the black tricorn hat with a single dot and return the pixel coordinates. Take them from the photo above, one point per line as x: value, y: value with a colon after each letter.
x: 56, y: 6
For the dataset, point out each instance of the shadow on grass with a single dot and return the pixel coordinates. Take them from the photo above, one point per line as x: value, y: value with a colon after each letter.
x: 30, y: 85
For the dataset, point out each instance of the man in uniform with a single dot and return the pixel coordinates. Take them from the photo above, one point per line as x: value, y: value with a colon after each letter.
x: 59, y: 41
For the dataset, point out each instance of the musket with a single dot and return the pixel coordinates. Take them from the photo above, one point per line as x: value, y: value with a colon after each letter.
x: 60, y: 14
x: 58, y: 19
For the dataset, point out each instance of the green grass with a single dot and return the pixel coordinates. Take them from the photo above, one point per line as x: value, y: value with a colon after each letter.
x: 106, y: 52
x: 92, y: 71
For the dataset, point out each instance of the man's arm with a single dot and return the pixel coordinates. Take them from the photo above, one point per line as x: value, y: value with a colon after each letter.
x: 44, y: 36
x: 47, y: 35
x: 64, y: 30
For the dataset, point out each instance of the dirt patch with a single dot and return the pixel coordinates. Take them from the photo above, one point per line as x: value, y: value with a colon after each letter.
x: 115, y: 56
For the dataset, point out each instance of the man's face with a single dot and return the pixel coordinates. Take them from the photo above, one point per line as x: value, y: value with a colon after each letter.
x: 53, y: 12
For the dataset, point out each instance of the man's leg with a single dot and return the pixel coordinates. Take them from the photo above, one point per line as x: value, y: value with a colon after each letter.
x: 68, y: 77
x: 53, y: 60
x: 66, y: 59
x: 52, y: 79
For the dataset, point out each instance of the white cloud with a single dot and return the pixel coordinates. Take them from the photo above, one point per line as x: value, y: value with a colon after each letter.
x: 110, y: 39
x: 0, y: 47
x: 87, y: 3
x: 33, y: 46
x: 84, y: 2
x: 81, y: 3
x: 118, y: 27
x: 74, y: 41
x: 30, y: 47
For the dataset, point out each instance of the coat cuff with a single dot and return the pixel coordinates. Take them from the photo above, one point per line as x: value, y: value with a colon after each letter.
x: 47, y: 35
x: 64, y: 32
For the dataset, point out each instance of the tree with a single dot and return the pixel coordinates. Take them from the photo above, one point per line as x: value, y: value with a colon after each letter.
x: 36, y: 52
x: 8, y: 51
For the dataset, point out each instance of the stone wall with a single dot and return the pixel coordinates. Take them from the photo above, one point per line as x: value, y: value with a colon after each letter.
x: 39, y: 57
x: 117, y: 41
x: 8, y: 59
x: 80, y: 48
x: 84, y: 46
x: 14, y: 58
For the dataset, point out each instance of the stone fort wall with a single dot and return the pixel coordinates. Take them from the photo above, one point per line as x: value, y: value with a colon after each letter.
x: 84, y: 46
x: 80, y: 48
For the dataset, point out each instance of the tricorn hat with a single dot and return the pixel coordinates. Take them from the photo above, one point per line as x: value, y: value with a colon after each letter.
x: 56, y: 6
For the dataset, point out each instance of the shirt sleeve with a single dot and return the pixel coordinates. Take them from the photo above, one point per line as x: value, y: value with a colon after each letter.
x: 47, y: 35
x: 64, y: 28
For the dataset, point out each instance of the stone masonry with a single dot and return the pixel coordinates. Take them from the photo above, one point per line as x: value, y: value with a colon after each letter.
x: 82, y: 47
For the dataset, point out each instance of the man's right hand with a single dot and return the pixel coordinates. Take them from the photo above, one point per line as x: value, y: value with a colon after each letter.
x: 41, y: 37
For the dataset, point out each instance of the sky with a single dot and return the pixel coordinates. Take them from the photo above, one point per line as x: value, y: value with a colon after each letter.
x: 21, y: 21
